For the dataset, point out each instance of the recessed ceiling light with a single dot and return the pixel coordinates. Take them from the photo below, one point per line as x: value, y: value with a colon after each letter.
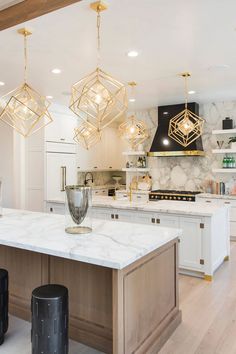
x: 132, y: 54
x: 132, y: 100
x: 56, y: 71
x: 191, y: 92
x: 2, y: 83
x: 218, y: 67
x: 165, y: 113
x: 49, y: 97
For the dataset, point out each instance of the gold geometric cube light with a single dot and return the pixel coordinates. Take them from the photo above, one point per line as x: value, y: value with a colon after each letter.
x: 186, y: 126
x: 25, y: 110
x: 134, y: 131
x: 87, y: 135
x: 99, y: 97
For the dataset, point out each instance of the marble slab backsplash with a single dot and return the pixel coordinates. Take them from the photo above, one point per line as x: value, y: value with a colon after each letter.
x: 190, y: 173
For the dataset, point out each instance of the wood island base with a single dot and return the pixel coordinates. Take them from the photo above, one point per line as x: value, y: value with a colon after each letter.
x: 133, y: 310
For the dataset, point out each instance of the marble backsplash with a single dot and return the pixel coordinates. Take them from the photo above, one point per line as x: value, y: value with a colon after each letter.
x: 102, y: 178
x: 190, y: 173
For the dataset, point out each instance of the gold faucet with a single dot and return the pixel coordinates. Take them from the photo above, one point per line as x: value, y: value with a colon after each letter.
x: 130, y: 193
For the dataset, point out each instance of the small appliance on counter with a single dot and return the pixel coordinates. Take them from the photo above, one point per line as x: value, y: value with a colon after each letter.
x: 227, y: 123
x: 184, y: 196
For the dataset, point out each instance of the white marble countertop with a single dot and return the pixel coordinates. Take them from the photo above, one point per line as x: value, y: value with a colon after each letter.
x: 108, y: 245
x: 165, y: 206
x: 216, y: 196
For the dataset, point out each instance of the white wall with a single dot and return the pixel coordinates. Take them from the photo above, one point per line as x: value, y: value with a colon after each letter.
x: 6, y: 164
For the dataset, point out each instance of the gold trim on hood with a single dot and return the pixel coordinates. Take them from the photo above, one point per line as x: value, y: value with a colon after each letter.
x: 177, y: 153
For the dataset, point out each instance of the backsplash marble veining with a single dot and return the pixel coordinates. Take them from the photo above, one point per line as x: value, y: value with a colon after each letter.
x: 190, y: 173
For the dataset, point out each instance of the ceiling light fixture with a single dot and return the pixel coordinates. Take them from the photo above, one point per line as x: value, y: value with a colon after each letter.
x: 98, y: 99
x: 191, y: 92
x: 186, y: 126
x: 24, y: 109
x: 2, y: 83
x: 49, y: 97
x: 56, y: 71
x: 132, y: 54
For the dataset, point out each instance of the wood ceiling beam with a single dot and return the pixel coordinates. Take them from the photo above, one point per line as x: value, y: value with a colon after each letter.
x: 29, y: 9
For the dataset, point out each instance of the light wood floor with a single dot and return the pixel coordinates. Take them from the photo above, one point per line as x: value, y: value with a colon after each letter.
x: 209, y: 314
x: 208, y: 326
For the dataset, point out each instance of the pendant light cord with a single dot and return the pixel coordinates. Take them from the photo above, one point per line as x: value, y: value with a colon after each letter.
x: 186, y: 91
x: 25, y: 57
x: 98, y: 37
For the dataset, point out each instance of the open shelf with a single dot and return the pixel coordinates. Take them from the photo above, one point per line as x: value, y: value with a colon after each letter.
x: 224, y: 170
x: 134, y: 153
x: 224, y: 151
x: 133, y: 169
x: 224, y: 131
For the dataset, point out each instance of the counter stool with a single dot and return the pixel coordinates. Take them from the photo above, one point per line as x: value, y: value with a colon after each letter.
x: 49, y: 306
x: 3, y: 303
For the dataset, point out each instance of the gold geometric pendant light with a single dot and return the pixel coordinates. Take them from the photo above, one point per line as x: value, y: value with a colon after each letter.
x: 87, y: 135
x: 98, y: 99
x: 24, y: 109
x: 133, y: 130
x: 186, y: 126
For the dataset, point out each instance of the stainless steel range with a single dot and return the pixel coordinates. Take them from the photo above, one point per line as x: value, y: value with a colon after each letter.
x: 161, y: 194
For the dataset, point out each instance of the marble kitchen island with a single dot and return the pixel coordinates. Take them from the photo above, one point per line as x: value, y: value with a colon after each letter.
x: 122, y: 281
x: 205, y: 241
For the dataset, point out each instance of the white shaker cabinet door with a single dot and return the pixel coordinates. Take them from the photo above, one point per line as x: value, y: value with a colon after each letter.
x: 60, y: 171
x: 190, y: 247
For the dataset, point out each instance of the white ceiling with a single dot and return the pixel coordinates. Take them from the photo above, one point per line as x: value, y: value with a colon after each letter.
x: 4, y: 4
x: 171, y: 36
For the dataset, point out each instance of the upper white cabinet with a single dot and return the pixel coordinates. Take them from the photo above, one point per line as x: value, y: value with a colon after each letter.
x: 105, y: 155
x: 63, y: 125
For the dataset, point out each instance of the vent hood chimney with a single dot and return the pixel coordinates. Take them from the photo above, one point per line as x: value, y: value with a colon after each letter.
x: 163, y: 145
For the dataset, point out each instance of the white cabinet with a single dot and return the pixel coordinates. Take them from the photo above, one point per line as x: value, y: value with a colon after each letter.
x: 101, y: 192
x: 105, y: 155
x: 60, y: 171
x: 63, y: 125
x: 190, y: 249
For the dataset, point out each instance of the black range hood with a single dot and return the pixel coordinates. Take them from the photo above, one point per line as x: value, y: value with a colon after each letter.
x: 163, y: 145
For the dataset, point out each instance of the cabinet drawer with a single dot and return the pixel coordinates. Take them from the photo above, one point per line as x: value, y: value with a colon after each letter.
x: 61, y: 148
x: 140, y: 197
x: 55, y: 208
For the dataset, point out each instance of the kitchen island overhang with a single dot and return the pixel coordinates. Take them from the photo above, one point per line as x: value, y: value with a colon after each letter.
x: 122, y: 281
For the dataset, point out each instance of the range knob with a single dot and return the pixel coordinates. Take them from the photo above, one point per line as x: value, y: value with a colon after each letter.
x: 156, y: 196
x: 178, y: 198
x: 152, y: 196
x: 184, y: 198
x: 190, y: 199
x: 166, y: 197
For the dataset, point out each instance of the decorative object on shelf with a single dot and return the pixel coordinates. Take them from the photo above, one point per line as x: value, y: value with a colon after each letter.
x: 186, y: 126
x: 228, y: 162
x: 227, y: 123
x: 24, y: 109
x: 145, y: 183
x: 220, y: 143
x: 117, y: 179
x: 87, y: 135
x: 232, y: 142
x: 78, y: 213
x: 98, y: 99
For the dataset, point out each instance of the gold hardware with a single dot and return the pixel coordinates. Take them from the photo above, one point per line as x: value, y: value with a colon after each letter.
x: 186, y: 126
x: 153, y: 220
x: 116, y: 216
x: 130, y: 193
x: 202, y: 261
x: 98, y: 6
x: 226, y: 259
x: 132, y: 83
x: 177, y: 153
x: 24, y: 32
x: 202, y: 225
x: 208, y: 277
x: 158, y: 221
x: 227, y: 202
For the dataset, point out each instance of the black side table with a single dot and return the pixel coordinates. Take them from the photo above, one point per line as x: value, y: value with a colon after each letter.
x: 49, y: 320
x: 3, y: 304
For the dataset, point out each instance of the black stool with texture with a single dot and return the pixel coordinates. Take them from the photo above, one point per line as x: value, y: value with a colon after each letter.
x: 49, y: 307
x: 3, y: 303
